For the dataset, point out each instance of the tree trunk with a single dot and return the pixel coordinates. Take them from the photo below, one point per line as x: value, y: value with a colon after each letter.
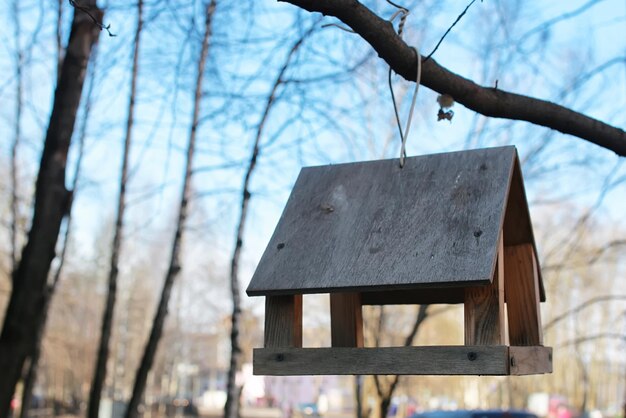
x: 386, y: 393
x: 107, y: 316
x: 30, y: 376
x: 383, y: 406
x: 16, y: 141
x: 358, y: 395
x: 58, y: 34
x: 624, y: 405
x: 233, y: 394
x: 52, y: 201
x: 174, y: 267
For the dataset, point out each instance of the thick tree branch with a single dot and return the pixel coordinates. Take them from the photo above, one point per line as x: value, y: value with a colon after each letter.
x: 492, y: 102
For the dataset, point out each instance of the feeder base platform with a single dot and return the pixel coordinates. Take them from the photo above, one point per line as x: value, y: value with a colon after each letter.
x: 425, y: 360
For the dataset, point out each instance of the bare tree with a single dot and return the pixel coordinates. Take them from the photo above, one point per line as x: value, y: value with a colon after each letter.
x: 18, y: 134
x: 58, y: 32
x: 301, y: 124
x: 30, y: 375
x: 52, y: 202
x: 492, y: 102
x: 385, y: 389
x: 109, y: 307
x: 174, y: 266
x: 231, y: 409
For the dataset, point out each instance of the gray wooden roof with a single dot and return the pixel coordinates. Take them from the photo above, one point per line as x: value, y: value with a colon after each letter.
x: 373, y: 226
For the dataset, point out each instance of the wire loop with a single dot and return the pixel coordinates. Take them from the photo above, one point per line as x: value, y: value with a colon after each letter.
x: 403, y: 12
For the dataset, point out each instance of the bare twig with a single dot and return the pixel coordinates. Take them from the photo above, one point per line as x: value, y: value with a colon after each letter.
x: 385, y: 397
x: 485, y: 100
x: 88, y: 12
x: 459, y: 17
x: 17, y: 138
x: 577, y: 309
x: 174, y: 268
x: 587, y: 338
x: 58, y: 34
x: 106, y: 326
x: 550, y: 22
x: 231, y: 409
x: 572, y: 241
x: 600, y: 251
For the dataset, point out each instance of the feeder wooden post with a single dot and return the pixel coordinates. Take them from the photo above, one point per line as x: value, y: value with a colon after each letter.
x: 522, y: 295
x: 346, y: 320
x: 484, y: 308
x: 283, y: 321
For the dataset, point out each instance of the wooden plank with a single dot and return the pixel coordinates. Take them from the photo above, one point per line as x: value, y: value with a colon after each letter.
x: 530, y: 360
x: 428, y: 360
x: 484, y: 309
x: 346, y: 320
x: 375, y: 226
x: 521, y: 286
x: 414, y: 296
x: 517, y: 223
x: 283, y: 321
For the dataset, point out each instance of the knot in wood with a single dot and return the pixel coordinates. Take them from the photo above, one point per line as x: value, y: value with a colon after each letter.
x: 327, y: 207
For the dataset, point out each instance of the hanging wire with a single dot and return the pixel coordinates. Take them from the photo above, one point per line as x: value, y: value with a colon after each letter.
x: 403, y: 12
x: 404, y: 134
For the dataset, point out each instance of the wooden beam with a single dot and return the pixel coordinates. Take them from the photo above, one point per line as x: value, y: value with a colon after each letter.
x: 530, y: 360
x: 426, y: 360
x: 283, y: 321
x: 521, y: 286
x: 517, y: 225
x: 484, y: 308
x: 451, y: 295
x: 346, y: 320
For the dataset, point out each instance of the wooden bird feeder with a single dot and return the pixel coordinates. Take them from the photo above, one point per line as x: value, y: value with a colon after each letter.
x: 445, y: 228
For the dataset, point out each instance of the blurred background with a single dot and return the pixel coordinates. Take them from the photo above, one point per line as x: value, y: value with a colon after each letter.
x: 281, y: 90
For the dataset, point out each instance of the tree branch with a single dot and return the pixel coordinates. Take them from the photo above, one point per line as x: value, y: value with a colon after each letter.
x: 577, y: 309
x: 602, y: 335
x: 492, y: 102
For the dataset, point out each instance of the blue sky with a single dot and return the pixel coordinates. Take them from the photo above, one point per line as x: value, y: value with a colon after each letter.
x: 313, y: 123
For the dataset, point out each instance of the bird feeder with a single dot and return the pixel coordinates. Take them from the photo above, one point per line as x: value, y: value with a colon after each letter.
x: 445, y: 228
